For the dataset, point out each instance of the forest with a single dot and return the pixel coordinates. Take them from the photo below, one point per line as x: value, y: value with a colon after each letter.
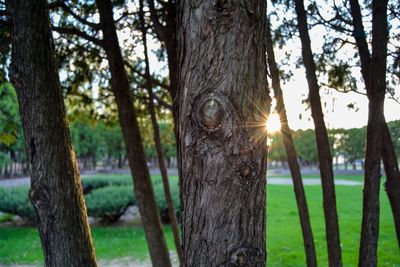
x: 199, y: 133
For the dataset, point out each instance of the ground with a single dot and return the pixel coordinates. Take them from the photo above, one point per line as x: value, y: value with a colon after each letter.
x: 115, y: 246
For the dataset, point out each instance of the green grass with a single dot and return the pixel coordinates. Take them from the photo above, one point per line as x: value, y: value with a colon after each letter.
x: 284, y: 241
x: 358, y: 178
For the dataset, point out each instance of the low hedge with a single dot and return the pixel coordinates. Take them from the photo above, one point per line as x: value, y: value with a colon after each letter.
x: 103, y: 181
x: 16, y: 201
x: 108, y: 198
x: 109, y: 203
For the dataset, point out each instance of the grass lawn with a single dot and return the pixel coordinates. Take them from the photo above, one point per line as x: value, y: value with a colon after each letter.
x: 284, y: 242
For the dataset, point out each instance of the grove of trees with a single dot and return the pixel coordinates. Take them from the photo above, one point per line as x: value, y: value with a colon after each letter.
x: 112, y: 82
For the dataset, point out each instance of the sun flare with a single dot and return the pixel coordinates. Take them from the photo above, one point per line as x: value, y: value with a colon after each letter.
x: 273, y: 124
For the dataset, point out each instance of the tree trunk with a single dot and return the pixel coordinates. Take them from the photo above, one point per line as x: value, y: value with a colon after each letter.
x: 157, y: 141
x: 376, y: 89
x: 324, y: 153
x: 133, y: 141
x: 223, y: 100
x: 291, y: 156
x: 56, y: 191
x: 392, y: 184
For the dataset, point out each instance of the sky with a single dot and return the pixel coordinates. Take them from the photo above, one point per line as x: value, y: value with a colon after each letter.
x: 337, y: 114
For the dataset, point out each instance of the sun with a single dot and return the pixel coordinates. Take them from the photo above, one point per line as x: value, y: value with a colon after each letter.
x: 273, y: 124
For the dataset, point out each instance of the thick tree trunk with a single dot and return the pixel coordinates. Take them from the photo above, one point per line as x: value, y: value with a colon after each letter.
x: 157, y: 141
x: 324, y: 153
x: 133, y: 141
x: 222, y: 110
x: 392, y: 184
x: 56, y: 191
x: 291, y: 156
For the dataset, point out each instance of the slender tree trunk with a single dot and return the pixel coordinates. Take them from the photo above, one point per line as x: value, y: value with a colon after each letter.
x: 291, y: 156
x: 324, y: 153
x: 157, y: 141
x: 56, y: 191
x: 392, y: 185
x: 376, y: 89
x: 133, y: 141
x: 223, y: 99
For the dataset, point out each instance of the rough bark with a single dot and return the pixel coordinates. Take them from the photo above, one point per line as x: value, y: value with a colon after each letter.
x: 222, y: 97
x: 133, y: 141
x: 374, y: 143
x: 157, y: 142
x: 56, y: 191
x: 392, y: 185
x: 291, y: 154
x: 324, y: 153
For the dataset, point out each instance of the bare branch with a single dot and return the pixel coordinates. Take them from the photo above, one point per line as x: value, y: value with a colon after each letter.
x: 63, y: 5
x: 154, y: 81
x: 160, y: 29
x: 162, y: 102
x: 75, y: 31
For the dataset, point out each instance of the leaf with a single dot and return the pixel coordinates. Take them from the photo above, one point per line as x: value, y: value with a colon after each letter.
x: 7, y: 139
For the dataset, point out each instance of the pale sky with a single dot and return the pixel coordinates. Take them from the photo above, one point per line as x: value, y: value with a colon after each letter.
x: 337, y: 114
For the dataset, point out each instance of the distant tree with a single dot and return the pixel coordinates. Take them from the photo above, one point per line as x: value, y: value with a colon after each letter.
x: 223, y: 101
x: 306, y: 146
x: 394, y: 128
x: 56, y: 191
x: 12, y: 151
x: 323, y: 146
x: 276, y: 148
x: 354, y: 145
x: 113, y: 142
x: 86, y: 141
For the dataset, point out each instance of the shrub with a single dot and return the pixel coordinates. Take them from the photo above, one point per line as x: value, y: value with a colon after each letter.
x: 103, y: 181
x: 160, y: 198
x: 109, y: 203
x: 16, y: 201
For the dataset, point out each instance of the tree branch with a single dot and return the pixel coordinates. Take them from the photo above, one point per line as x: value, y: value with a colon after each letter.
x: 154, y: 81
x: 160, y: 29
x: 75, y: 31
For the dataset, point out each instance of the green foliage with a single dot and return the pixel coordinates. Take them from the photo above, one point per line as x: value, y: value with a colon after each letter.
x: 160, y: 196
x: 276, y: 149
x: 109, y: 203
x: 100, y: 181
x: 11, y: 135
x: 394, y: 128
x: 85, y: 139
x: 9, y: 115
x: 305, y: 144
x: 16, y: 201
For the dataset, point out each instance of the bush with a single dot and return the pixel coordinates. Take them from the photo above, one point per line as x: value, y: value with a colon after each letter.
x: 108, y: 200
x: 104, y: 181
x: 161, y: 201
x: 109, y: 203
x: 16, y: 201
